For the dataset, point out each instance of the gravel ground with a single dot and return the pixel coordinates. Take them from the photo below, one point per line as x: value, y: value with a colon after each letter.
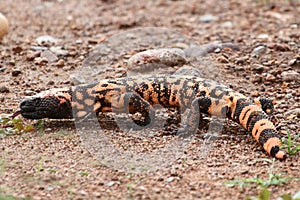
x: 50, y: 41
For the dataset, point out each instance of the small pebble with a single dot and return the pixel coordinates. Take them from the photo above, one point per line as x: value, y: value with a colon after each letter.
x: 170, y: 179
x: 59, y: 51
x: 279, y: 47
x: 31, y: 56
x: 294, y: 61
x: 51, y: 83
x: 60, y: 63
x: 242, y: 60
x: 259, y: 50
x: 270, y: 77
x: 40, y: 60
x: 16, y: 72
x: 37, y: 48
x: 289, y: 96
x: 227, y: 24
x: 111, y: 183
x: 207, y: 18
x: 46, y: 40
x: 223, y: 59
x: 17, y: 49
x: 4, y: 89
x: 29, y: 93
x: 263, y: 36
x: 258, y: 67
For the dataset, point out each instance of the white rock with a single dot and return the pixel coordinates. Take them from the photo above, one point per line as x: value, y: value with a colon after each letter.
x: 59, y: 51
x: 290, y: 75
x: 227, y: 24
x: 208, y: 18
x: 46, y: 40
x: 259, y: 50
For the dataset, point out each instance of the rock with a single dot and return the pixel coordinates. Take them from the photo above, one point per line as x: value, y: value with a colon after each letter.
x: 2, y: 69
x: 32, y: 55
x: 222, y: 59
x: 289, y: 96
x: 16, y: 72
x: 46, y: 40
x: 279, y: 47
x: 37, y: 48
x: 12, y: 62
x: 3, y: 26
x: 290, y: 75
x: 4, y: 89
x: 208, y: 18
x: 150, y: 60
x: 111, y: 183
x: 270, y: 77
x: 277, y: 15
x: 170, y: 179
x: 51, y: 57
x: 258, y: 67
x: 188, y: 70
x: 242, y: 60
x: 259, y: 50
x: 295, y: 61
x: 60, y: 63
x: 59, y: 51
x: 227, y: 24
x: 17, y: 49
x: 51, y: 82
x: 29, y: 93
x: 40, y: 61
x: 263, y: 36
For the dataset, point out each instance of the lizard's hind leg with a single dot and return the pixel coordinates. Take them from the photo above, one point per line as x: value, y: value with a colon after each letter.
x: 205, y: 105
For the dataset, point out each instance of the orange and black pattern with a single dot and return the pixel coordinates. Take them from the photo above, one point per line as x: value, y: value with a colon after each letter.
x: 139, y: 94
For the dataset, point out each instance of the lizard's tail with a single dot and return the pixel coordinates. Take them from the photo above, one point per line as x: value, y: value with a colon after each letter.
x: 256, y: 121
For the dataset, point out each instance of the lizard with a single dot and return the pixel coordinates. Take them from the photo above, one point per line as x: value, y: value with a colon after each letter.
x: 139, y: 94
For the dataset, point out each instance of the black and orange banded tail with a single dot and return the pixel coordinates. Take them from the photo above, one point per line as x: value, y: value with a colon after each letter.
x: 256, y: 121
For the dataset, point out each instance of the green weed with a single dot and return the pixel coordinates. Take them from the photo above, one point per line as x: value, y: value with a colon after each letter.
x: 290, y: 144
x: 83, y: 173
x: 10, y: 197
x: 13, y: 126
x: 265, y: 194
x: 273, y: 179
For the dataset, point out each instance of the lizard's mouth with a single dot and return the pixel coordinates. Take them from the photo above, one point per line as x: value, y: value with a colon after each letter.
x: 45, y: 107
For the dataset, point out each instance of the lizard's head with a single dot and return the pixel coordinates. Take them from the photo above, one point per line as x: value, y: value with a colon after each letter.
x: 53, y: 104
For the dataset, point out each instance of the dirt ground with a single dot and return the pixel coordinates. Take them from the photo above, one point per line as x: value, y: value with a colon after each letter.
x: 54, y: 162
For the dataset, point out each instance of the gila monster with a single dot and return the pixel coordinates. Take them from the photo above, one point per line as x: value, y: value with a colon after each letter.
x: 138, y: 94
